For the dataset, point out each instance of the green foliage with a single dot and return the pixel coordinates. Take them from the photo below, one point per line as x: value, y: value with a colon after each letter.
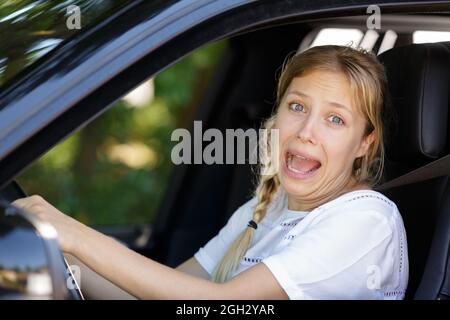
x: 86, y: 175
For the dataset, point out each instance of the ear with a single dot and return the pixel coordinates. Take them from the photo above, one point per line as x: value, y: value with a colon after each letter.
x: 365, y: 144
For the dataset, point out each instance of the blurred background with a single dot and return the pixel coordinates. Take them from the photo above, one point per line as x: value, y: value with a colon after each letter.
x: 115, y: 170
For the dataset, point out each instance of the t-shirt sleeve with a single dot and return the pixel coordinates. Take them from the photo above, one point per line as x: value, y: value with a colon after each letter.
x: 209, y: 255
x: 331, y: 260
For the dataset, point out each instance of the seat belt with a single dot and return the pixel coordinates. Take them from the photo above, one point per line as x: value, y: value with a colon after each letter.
x: 437, y: 168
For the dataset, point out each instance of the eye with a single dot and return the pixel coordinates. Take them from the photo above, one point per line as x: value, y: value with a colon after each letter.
x: 297, y: 107
x: 336, y: 120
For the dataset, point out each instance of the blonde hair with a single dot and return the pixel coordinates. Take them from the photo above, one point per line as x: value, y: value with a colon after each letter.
x: 368, y: 85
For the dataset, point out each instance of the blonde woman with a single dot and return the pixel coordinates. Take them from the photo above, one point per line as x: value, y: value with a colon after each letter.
x: 314, y: 230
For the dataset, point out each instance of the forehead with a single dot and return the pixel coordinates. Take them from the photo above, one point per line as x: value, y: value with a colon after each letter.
x: 323, y: 85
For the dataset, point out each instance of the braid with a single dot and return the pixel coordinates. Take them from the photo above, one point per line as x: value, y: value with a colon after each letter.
x: 239, y: 247
x: 265, y: 191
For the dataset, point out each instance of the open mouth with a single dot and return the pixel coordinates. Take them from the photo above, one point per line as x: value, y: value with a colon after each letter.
x: 300, y: 164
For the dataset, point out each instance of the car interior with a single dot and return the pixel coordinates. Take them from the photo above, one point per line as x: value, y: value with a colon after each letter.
x: 419, y: 86
x: 201, y: 198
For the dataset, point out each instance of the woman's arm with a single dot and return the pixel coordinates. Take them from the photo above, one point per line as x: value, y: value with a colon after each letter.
x: 147, y: 279
x: 143, y: 277
x: 94, y: 286
x: 192, y: 267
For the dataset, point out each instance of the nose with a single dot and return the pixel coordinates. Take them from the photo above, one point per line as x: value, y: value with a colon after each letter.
x: 306, y: 130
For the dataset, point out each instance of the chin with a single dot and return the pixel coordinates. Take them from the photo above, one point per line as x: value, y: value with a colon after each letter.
x: 296, y: 188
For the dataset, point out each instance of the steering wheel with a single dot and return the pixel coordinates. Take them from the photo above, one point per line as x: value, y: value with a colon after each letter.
x: 12, y: 192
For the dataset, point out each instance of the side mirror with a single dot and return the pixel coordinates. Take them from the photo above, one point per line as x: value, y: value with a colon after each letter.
x: 31, y: 263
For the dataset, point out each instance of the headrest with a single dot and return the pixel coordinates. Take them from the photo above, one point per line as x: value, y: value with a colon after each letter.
x: 419, y: 82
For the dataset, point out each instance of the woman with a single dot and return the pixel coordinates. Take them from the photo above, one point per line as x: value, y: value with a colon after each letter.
x: 314, y: 230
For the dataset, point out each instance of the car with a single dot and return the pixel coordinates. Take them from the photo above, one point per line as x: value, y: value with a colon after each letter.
x: 88, y: 65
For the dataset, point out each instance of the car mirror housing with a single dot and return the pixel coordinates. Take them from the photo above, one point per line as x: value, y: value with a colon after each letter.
x: 31, y: 263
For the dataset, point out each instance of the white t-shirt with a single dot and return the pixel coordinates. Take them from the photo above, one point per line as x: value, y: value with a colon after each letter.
x: 352, y: 247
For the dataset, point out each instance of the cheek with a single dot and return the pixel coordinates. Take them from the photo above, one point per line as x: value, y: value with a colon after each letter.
x: 287, y: 126
x: 340, y: 150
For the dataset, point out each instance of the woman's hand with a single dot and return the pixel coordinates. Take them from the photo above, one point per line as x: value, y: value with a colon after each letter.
x: 65, y: 226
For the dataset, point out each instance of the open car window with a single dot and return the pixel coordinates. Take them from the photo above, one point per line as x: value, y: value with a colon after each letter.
x: 116, y: 169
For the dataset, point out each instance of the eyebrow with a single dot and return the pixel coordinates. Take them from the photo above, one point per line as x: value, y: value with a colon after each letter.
x: 336, y: 104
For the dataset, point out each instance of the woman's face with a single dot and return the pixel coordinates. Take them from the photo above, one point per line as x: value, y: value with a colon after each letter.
x: 321, y: 133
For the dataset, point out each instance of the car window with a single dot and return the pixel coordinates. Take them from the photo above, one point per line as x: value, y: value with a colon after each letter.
x: 39, y: 26
x: 427, y: 36
x: 116, y: 169
x: 378, y: 41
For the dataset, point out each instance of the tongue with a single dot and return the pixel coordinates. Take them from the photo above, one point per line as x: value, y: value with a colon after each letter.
x: 303, y: 164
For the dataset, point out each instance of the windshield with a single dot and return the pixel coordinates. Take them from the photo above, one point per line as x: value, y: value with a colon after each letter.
x: 30, y: 29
